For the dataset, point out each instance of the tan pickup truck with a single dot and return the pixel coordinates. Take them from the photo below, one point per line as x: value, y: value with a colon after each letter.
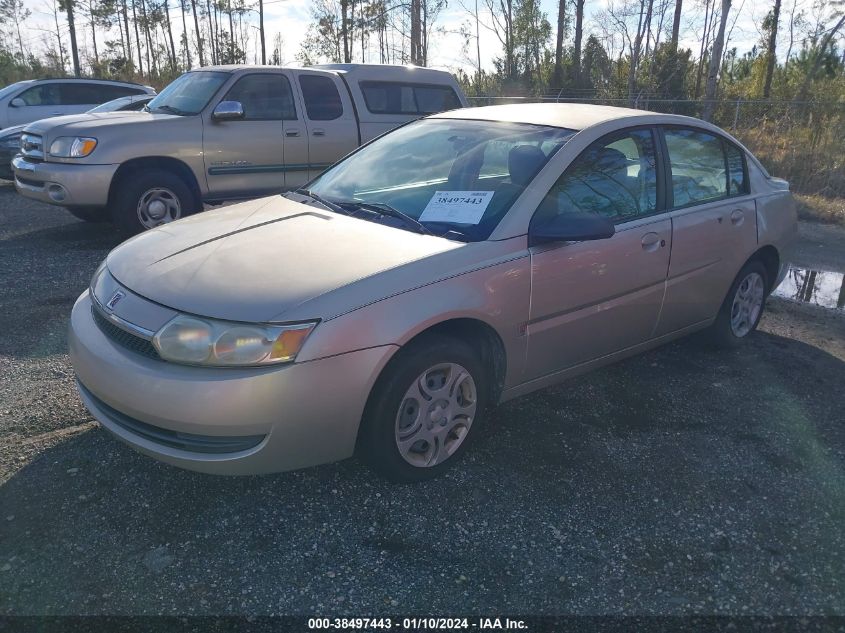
x: 220, y: 133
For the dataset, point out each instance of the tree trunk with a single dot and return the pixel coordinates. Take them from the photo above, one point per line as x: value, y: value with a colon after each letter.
x: 676, y: 24
x: 151, y: 57
x: 74, y: 51
x: 634, y: 60
x: 188, y: 64
x: 561, y: 24
x: 261, y: 30
x: 231, y: 59
x: 416, y: 34
x: 94, y: 37
x: 198, y: 32
x: 579, y: 34
x: 715, y: 63
x: 771, y: 58
x: 166, y: 10
x: 138, y: 39
x: 128, y: 45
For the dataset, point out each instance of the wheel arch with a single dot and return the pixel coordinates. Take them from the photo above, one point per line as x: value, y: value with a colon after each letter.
x: 481, y: 336
x: 770, y: 258
x: 165, y: 163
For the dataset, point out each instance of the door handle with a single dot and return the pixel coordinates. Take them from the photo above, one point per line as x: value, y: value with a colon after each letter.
x: 651, y: 242
x: 291, y: 132
x: 56, y: 113
x: 737, y: 217
x: 319, y: 132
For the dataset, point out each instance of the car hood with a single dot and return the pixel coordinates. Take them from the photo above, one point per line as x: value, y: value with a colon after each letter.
x: 8, y: 131
x: 257, y: 261
x: 87, y: 123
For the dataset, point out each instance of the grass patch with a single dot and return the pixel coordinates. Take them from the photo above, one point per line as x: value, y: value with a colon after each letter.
x: 813, y: 208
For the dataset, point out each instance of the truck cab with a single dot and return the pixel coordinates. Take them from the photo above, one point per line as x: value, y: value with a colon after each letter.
x: 221, y: 133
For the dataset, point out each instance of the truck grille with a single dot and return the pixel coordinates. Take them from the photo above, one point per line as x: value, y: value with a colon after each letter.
x: 32, y: 147
x: 123, y: 338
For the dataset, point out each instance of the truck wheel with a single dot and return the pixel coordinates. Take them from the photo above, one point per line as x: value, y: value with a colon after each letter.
x: 89, y: 214
x: 151, y: 198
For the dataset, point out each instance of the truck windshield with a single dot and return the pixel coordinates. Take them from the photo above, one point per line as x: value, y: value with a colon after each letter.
x: 458, y: 178
x: 189, y: 94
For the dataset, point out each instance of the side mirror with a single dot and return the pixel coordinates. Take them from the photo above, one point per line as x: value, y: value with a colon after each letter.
x: 571, y: 227
x: 228, y: 111
x: 17, y: 102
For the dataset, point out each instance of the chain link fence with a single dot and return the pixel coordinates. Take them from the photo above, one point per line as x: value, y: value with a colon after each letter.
x: 801, y: 141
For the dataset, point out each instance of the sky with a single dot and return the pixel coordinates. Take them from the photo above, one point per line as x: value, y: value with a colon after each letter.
x: 291, y: 18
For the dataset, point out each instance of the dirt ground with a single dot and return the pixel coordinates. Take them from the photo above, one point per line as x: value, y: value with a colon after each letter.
x: 685, y: 480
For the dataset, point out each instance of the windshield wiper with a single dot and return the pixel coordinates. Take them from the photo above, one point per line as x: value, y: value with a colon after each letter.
x: 172, y: 110
x: 331, y: 206
x: 386, y: 209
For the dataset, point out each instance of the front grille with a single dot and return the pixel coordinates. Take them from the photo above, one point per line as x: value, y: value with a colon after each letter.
x: 123, y: 338
x: 192, y: 442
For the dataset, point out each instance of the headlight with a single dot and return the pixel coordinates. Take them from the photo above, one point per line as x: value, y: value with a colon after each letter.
x: 195, y: 341
x: 72, y: 146
x: 12, y: 141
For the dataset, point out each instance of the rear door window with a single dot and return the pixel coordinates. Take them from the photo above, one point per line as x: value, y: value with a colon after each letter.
x: 699, y: 168
x: 737, y: 172
x: 322, y: 100
x: 84, y: 94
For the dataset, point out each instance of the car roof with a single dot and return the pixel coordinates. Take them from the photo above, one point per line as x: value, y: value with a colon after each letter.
x: 88, y: 80
x: 571, y: 116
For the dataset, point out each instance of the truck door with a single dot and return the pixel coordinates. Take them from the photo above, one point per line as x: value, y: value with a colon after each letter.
x: 330, y: 120
x: 245, y: 157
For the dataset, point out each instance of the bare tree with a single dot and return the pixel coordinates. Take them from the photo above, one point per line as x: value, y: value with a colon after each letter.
x: 561, y: 27
x: 676, y: 23
x: 771, y: 57
x: 715, y: 63
x: 67, y: 6
x: 576, y: 49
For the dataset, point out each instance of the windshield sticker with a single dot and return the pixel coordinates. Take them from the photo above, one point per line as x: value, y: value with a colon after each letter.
x: 459, y: 207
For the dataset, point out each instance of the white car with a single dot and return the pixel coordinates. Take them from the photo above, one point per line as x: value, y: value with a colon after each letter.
x: 27, y: 101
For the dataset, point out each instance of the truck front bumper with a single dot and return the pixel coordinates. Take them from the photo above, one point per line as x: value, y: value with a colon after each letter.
x: 63, y: 184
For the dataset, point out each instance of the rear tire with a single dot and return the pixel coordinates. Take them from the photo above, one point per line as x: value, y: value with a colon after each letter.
x: 150, y: 198
x: 89, y: 214
x: 743, y: 307
x: 424, y: 410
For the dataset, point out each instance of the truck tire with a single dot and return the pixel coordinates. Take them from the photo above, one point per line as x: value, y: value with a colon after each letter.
x: 148, y: 199
x: 89, y: 214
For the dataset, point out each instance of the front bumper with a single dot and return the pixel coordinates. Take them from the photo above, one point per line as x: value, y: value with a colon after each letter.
x: 285, y: 417
x: 63, y: 184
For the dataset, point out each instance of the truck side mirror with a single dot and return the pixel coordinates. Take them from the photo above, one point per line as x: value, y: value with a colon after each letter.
x: 17, y: 102
x: 228, y: 111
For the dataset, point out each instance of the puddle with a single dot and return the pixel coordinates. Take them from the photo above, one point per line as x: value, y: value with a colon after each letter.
x: 819, y: 287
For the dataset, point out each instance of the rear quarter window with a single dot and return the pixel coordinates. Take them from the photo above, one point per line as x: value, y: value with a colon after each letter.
x: 388, y: 97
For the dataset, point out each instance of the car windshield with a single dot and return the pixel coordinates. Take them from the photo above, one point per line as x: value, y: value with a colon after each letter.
x: 189, y: 94
x: 456, y: 178
x: 121, y: 103
x: 12, y: 87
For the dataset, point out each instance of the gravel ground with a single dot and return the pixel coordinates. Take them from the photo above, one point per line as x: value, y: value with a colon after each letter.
x: 681, y: 481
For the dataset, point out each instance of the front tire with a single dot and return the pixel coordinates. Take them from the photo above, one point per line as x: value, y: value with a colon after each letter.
x: 145, y: 200
x: 424, y: 410
x: 743, y: 306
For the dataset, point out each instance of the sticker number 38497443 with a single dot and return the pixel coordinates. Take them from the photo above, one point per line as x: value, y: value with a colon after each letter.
x: 460, y: 207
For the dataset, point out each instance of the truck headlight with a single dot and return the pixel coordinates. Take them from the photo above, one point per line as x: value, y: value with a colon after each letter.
x: 198, y: 341
x: 72, y: 146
